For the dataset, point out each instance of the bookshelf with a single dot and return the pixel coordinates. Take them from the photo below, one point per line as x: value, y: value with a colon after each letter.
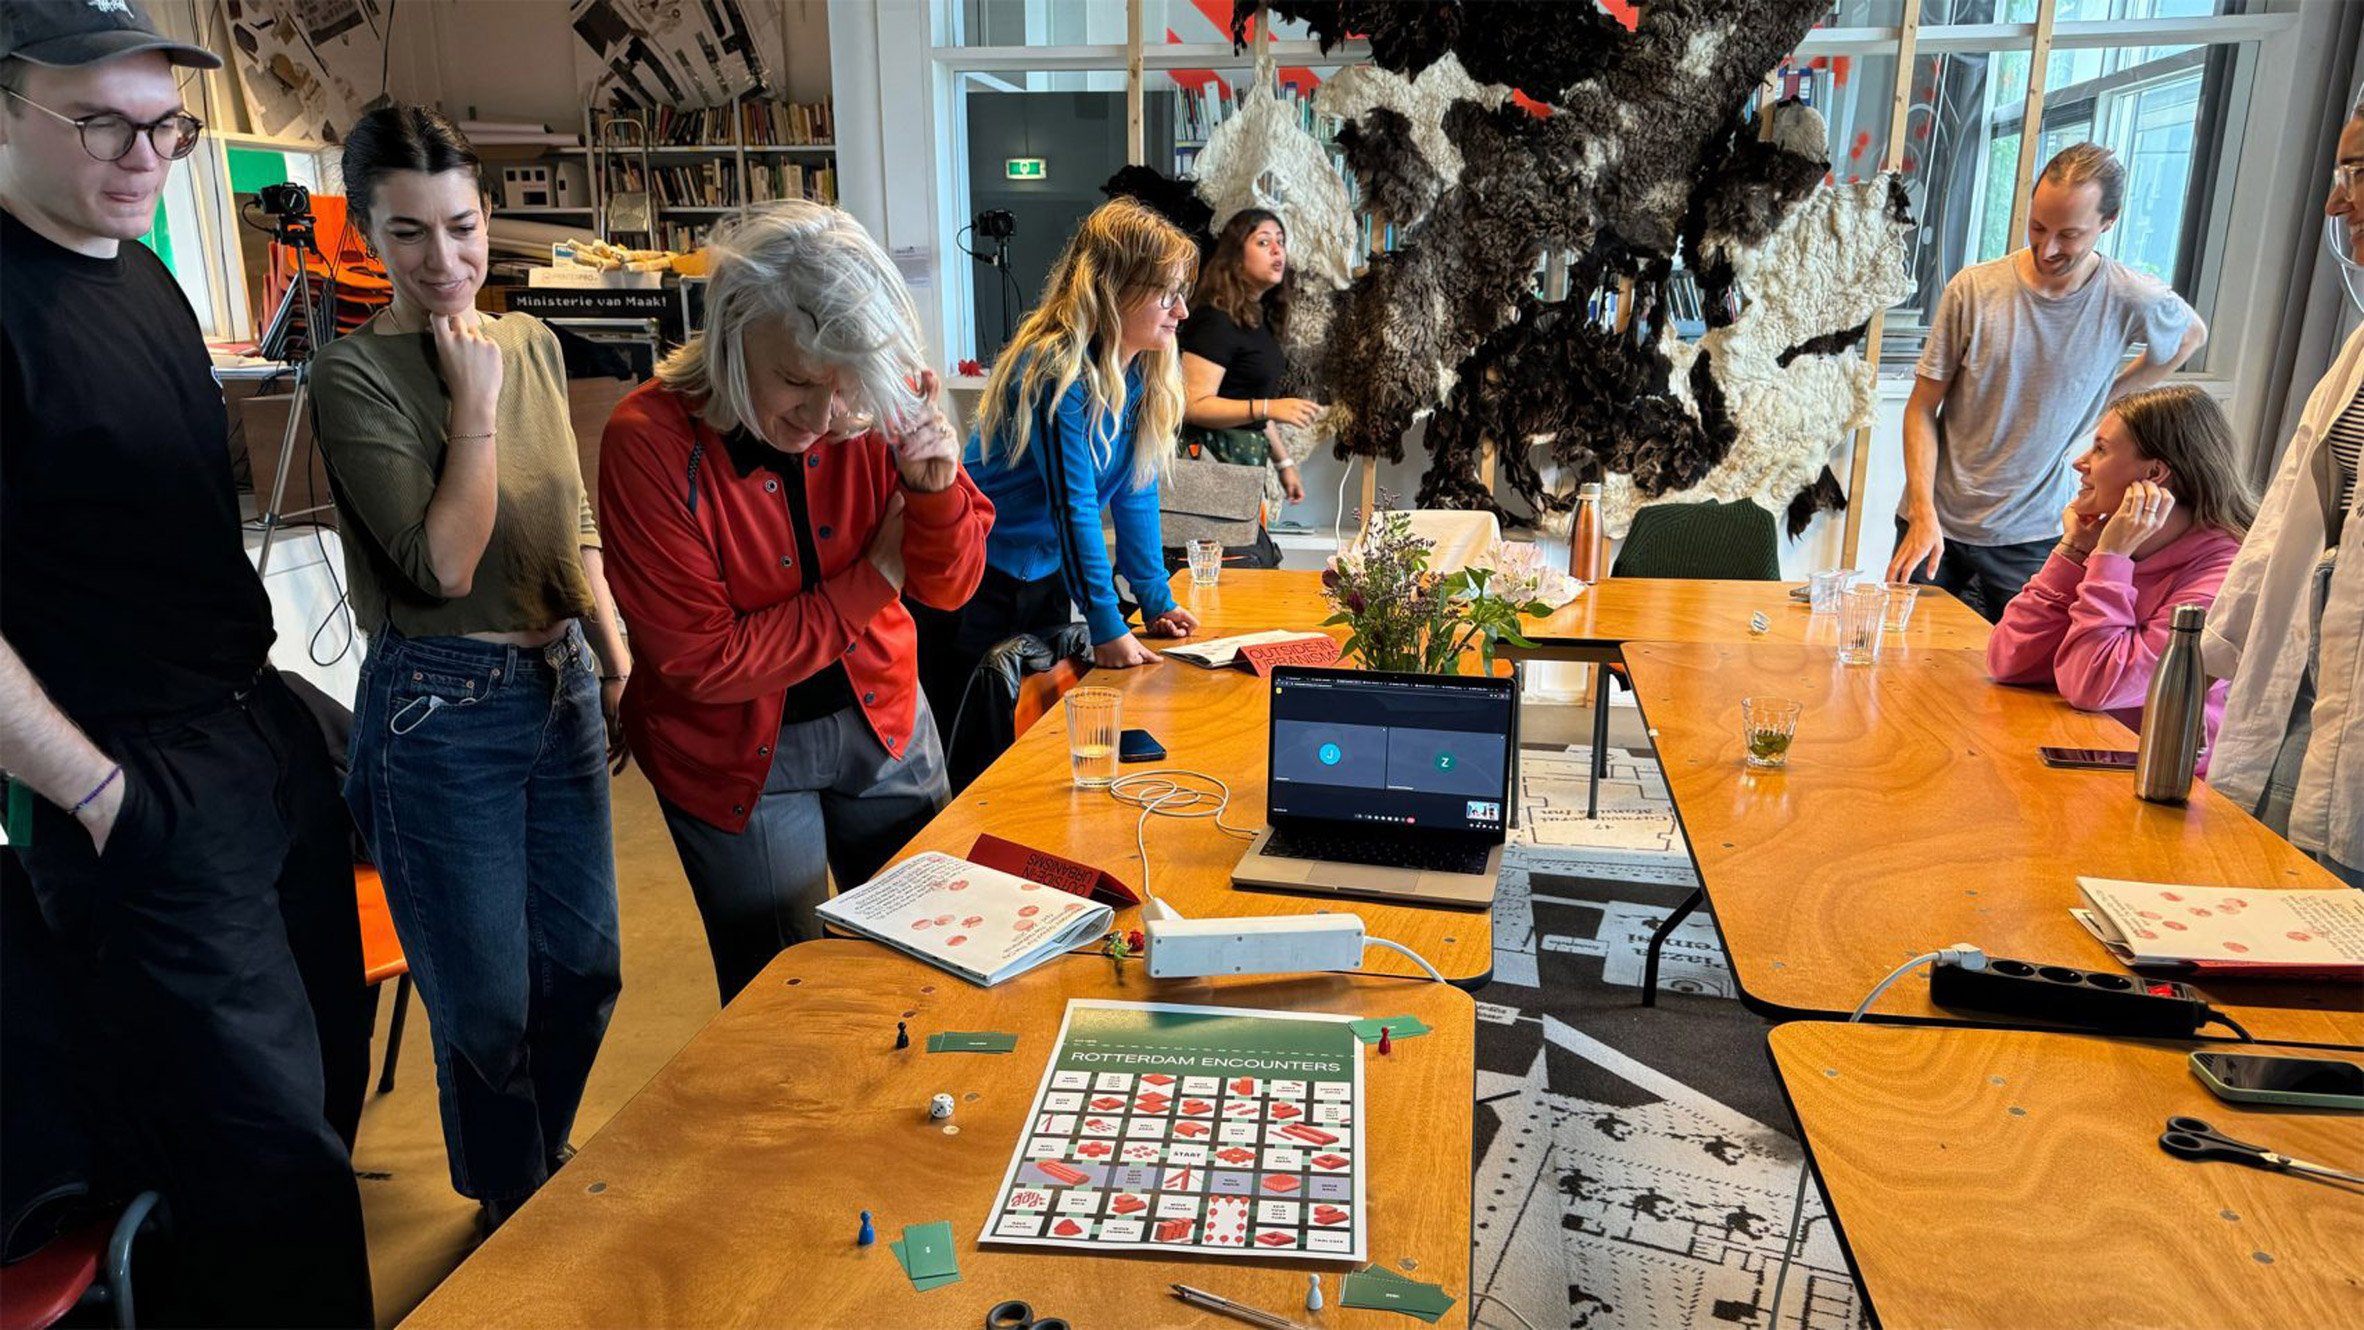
x: 661, y: 177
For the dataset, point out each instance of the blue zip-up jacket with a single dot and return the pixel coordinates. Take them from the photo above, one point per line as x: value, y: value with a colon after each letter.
x: 1047, y: 509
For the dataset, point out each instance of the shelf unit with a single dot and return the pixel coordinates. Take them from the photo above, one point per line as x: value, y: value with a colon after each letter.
x: 619, y: 153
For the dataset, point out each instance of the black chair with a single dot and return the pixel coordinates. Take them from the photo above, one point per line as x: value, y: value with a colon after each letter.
x: 1733, y: 541
x: 985, y: 722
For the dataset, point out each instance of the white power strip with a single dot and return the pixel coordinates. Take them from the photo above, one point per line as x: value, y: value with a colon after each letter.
x: 1256, y: 944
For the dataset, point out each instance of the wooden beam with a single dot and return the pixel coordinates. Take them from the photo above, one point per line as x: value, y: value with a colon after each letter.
x: 1370, y: 490
x: 1485, y: 472
x: 1136, y: 133
x: 1900, y: 106
x: 2031, y: 123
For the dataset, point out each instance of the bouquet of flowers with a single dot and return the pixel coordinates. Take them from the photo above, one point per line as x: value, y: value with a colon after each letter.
x: 1407, y: 618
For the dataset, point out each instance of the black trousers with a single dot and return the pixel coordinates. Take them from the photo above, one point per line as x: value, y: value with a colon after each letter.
x: 1985, y: 577
x: 212, y: 959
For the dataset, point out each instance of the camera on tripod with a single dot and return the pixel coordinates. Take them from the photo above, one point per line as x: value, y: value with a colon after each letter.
x: 998, y: 224
x: 289, y: 206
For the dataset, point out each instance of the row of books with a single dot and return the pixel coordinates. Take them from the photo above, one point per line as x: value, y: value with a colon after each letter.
x: 791, y: 180
x: 1199, y: 108
x: 716, y: 184
x: 788, y: 123
x: 759, y: 124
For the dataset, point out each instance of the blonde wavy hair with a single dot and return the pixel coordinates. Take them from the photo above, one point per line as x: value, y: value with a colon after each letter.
x: 812, y: 269
x: 1122, y: 254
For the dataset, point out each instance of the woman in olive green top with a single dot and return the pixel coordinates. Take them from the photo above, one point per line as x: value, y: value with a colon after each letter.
x: 480, y: 757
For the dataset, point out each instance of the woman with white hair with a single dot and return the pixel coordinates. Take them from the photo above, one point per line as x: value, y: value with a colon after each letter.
x: 767, y: 500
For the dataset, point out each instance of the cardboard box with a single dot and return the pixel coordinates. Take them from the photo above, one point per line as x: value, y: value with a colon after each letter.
x: 572, y: 276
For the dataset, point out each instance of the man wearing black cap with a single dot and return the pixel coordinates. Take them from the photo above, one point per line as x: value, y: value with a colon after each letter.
x: 188, y: 849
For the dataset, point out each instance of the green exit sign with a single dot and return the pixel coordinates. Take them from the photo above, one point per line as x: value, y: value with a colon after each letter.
x: 1027, y: 168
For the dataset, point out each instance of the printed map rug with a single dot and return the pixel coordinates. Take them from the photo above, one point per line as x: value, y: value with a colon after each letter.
x: 1634, y: 1165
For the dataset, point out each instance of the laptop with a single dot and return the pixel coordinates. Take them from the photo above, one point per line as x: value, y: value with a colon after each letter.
x: 1393, y: 786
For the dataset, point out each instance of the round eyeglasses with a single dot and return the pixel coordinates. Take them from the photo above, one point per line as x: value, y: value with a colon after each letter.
x: 108, y: 136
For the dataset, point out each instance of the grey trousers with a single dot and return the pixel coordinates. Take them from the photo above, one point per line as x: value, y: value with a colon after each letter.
x: 835, y: 801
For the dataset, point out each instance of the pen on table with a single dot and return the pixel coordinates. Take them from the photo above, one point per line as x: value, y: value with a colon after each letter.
x: 1199, y: 1297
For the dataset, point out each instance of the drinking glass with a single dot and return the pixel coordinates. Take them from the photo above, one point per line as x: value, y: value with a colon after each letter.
x: 1206, y: 562
x: 1095, y: 716
x: 1827, y: 588
x: 1767, y: 725
x: 1861, y: 619
x: 1902, y: 597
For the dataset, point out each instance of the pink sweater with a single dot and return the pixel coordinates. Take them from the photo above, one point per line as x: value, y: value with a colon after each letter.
x: 2095, y: 633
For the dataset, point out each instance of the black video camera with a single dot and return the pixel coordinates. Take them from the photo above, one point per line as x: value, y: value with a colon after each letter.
x: 284, y: 200
x: 997, y: 224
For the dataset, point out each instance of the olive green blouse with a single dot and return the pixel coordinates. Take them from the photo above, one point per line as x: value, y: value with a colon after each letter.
x: 380, y: 411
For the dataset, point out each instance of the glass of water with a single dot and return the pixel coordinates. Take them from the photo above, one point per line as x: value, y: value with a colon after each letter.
x: 1827, y: 588
x: 1862, y: 620
x: 1902, y: 598
x: 1767, y: 725
x: 1206, y: 562
x: 1095, y: 716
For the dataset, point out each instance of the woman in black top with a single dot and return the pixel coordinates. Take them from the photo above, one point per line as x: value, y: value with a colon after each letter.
x: 1231, y: 355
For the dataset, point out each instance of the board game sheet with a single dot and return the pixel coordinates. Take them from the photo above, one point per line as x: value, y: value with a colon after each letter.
x: 1216, y: 1130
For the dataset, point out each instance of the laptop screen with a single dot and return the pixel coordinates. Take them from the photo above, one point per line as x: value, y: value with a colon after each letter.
x: 1396, y: 750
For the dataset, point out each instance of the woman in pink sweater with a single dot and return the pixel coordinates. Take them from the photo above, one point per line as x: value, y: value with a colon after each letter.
x: 2155, y: 525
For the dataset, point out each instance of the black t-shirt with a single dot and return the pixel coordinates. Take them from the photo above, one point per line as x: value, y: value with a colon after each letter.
x: 124, y: 581
x: 1251, y: 357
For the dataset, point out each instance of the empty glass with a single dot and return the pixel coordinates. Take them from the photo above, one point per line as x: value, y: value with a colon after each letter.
x: 1898, y: 616
x: 1826, y: 588
x: 1767, y: 725
x: 1095, y: 716
x: 1206, y: 562
x: 1861, y: 620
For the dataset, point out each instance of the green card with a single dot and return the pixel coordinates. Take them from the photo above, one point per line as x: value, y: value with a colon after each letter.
x: 1398, y: 1027
x: 1386, y: 1291
x: 927, y: 1250
x: 921, y: 1285
x: 971, y: 1041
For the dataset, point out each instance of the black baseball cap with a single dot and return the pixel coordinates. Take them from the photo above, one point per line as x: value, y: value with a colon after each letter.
x: 63, y: 34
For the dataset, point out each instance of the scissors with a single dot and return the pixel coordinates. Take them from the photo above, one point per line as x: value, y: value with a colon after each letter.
x: 2190, y: 1138
x: 1016, y: 1315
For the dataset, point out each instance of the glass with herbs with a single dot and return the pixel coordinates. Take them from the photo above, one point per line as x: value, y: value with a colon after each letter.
x: 1767, y: 725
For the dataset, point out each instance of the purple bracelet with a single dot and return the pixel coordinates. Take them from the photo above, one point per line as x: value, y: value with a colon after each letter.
x: 95, y: 792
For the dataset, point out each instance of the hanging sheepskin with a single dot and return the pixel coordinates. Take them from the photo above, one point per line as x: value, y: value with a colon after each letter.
x: 1834, y: 263
x: 1262, y: 158
x: 1609, y: 177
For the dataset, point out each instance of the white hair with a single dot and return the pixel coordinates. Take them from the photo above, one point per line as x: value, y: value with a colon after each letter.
x: 814, y: 270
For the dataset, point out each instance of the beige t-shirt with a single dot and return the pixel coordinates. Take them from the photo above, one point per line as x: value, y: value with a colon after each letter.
x: 380, y: 410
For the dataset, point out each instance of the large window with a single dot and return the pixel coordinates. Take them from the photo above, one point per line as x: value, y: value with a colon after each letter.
x: 2164, y: 106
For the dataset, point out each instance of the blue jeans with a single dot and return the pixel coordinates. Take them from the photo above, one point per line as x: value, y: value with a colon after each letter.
x: 835, y: 799
x: 480, y: 779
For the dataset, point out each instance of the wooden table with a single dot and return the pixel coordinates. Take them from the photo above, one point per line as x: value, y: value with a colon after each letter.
x: 1594, y: 625
x: 1914, y: 814
x: 1982, y: 1177
x: 727, y: 1193
x: 1211, y: 721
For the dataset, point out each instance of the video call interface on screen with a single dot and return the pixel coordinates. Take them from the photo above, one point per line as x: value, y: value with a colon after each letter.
x: 1434, y: 753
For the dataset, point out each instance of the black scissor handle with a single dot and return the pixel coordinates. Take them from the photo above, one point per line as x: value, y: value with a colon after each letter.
x: 2193, y: 1138
x: 1012, y: 1315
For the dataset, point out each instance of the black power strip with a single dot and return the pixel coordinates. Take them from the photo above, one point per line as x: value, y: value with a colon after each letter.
x: 2088, y: 999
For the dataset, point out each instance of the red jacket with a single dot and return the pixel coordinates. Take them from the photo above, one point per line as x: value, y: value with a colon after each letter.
x: 724, y: 615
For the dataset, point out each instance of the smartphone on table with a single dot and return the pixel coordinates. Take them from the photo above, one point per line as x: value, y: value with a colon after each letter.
x: 2254, y: 1078
x: 1138, y: 746
x: 2087, y: 759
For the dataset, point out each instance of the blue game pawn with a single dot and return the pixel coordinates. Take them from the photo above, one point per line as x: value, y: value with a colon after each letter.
x: 868, y: 1234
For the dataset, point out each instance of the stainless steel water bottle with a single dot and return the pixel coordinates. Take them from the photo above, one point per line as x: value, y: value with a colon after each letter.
x: 2171, y: 718
x: 1584, y: 535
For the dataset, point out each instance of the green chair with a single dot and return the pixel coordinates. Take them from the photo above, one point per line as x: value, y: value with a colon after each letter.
x: 1696, y: 541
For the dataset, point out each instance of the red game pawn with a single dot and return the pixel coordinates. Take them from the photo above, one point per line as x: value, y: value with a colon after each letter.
x: 1386, y: 1045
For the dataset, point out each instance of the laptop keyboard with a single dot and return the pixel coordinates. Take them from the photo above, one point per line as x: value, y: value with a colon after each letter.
x: 1381, y: 852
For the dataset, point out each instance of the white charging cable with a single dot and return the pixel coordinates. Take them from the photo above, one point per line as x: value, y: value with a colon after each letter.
x: 1962, y: 954
x: 1164, y: 793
